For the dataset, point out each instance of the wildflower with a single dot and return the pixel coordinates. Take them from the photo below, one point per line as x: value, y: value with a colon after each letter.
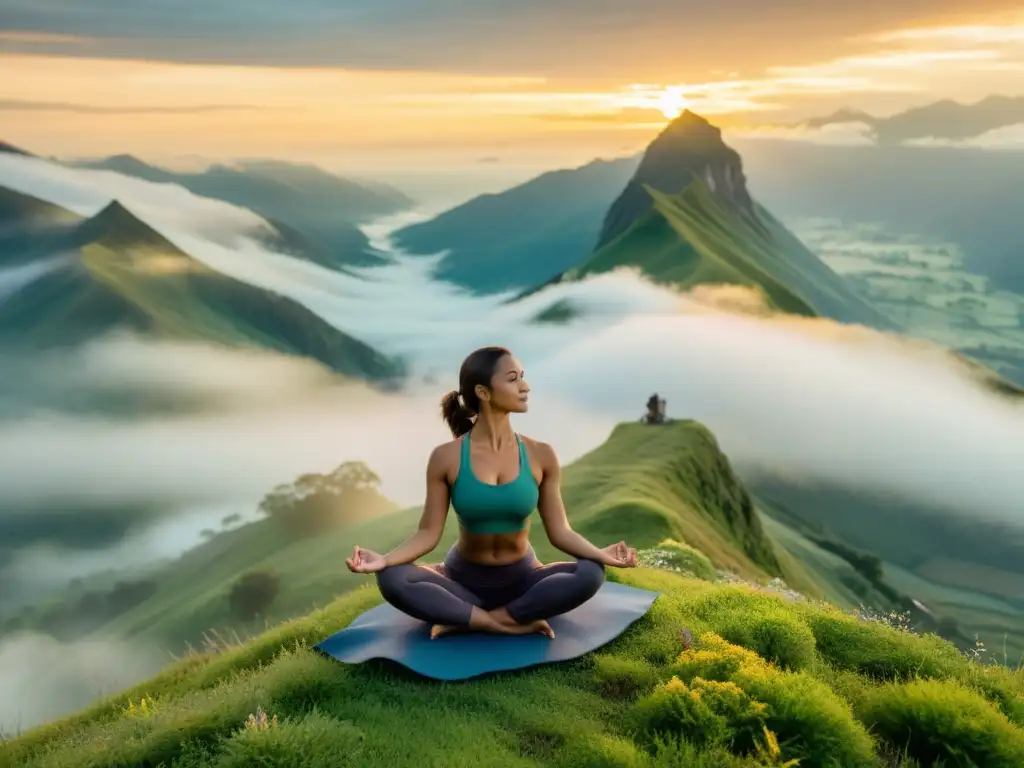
x: 259, y: 721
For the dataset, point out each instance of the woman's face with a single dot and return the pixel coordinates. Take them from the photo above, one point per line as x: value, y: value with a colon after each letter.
x: 509, y: 390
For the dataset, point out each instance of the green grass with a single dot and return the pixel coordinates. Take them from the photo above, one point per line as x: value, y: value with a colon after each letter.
x: 830, y: 690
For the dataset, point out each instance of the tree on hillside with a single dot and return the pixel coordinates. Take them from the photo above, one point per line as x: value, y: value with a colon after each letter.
x: 231, y: 519
x: 315, y: 502
x: 252, y: 594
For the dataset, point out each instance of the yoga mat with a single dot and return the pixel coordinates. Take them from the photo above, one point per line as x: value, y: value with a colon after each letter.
x: 385, y: 632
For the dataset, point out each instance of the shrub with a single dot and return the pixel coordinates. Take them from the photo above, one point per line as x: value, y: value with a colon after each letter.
x: 679, y: 753
x: 780, y: 638
x: 619, y: 677
x: 672, y: 555
x: 763, y: 623
x: 600, y: 750
x: 879, y: 651
x: 315, y: 741
x: 705, y: 712
x: 811, y: 722
x: 253, y: 594
x: 1000, y: 686
x: 941, y: 720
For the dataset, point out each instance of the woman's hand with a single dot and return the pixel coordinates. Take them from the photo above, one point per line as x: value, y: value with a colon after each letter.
x: 620, y: 555
x: 365, y: 561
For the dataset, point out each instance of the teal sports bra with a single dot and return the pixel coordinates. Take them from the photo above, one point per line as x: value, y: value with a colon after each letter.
x: 485, y: 508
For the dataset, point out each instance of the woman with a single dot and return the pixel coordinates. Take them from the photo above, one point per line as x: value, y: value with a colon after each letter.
x: 494, y: 479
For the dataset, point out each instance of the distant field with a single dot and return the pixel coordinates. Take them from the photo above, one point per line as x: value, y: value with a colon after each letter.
x: 997, y: 623
x: 975, y: 576
x: 923, y: 285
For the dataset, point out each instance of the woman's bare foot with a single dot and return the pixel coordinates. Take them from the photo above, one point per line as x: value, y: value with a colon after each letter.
x: 440, y: 630
x: 508, y: 626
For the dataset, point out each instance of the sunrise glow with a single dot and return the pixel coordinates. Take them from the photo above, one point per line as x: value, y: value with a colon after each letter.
x: 66, y: 102
x: 672, y: 102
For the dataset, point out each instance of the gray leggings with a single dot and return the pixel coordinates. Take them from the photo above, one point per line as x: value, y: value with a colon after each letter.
x: 527, y: 592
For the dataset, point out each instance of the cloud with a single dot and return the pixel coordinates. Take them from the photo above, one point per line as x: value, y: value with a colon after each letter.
x: 30, y: 38
x: 176, y: 213
x: 967, y: 33
x: 27, y: 105
x: 485, y: 35
x: 1009, y: 137
x: 835, y: 134
x: 44, y: 678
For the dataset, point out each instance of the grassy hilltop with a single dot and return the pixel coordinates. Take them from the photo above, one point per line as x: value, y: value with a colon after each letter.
x: 763, y: 673
x: 717, y: 674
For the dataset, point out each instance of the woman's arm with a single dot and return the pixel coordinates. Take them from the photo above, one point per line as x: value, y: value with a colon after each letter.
x: 435, y: 513
x: 552, y: 514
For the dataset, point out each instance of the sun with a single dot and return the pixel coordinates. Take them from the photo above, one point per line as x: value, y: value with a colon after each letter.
x: 672, y: 102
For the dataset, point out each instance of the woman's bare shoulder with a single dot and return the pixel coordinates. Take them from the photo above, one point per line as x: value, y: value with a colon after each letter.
x: 543, y: 452
x: 445, y: 456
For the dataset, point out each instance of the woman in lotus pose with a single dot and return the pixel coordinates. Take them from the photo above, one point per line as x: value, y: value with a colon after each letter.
x: 494, y: 478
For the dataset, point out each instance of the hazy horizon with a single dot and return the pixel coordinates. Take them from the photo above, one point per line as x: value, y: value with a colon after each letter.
x: 548, y: 84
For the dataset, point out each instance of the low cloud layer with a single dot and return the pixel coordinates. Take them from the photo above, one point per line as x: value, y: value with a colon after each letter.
x: 805, y: 398
x: 44, y: 678
x: 842, y: 134
x: 1010, y: 137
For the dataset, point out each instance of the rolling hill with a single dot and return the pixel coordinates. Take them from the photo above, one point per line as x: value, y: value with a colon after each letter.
x: 806, y: 680
x: 316, y: 211
x: 113, y: 271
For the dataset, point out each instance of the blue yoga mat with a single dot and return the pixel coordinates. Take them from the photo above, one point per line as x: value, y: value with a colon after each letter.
x: 384, y: 632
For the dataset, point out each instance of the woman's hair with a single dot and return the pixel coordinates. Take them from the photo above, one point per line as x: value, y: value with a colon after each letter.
x: 461, y: 406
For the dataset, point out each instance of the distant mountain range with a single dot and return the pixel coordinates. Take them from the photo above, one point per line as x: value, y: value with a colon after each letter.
x: 90, y: 276
x: 682, y: 216
x: 315, y: 211
x: 945, y: 119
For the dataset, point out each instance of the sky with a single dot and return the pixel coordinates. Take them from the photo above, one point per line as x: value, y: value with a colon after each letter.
x: 344, y: 82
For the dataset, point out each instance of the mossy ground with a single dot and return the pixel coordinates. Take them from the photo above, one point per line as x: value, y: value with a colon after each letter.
x: 714, y: 675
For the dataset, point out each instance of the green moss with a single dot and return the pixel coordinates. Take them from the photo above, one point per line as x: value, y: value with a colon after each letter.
x: 934, y: 720
x: 879, y: 652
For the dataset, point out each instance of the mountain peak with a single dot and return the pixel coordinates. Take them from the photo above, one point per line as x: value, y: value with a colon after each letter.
x: 688, y: 120
x: 117, y: 227
x: 689, y: 148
